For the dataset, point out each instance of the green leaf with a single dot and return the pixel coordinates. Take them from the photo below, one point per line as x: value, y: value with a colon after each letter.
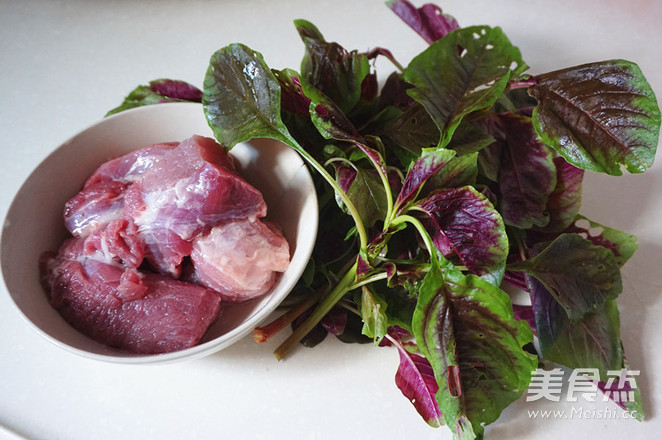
x: 413, y: 129
x: 465, y: 327
x: 241, y: 97
x: 368, y: 195
x: 580, y: 275
x: 465, y: 71
x: 159, y: 91
x: 330, y: 68
x: 621, y: 244
x: 373, y: 313
x: 590, y: 342
x: 489, y: 161
x: 469, y: 138
x: 140, y: 96
x: 365, y: 190
x: 636, y: 406
x: 459, y: 171
x: 599, y: 116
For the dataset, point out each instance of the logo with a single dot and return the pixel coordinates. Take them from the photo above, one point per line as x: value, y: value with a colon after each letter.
x: 585, y: 383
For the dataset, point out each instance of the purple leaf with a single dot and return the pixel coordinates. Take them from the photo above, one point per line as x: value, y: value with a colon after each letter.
x: 599, y: 116
x: 564, y: 202
x: 590, y: 342
x: 428, y: 21
x: 464, y: 222
x: 517, y: 279
x: 292, y: 98
x: 415, y: 379
x: 345, y: 176
x: 328, y: 67
x: 362, y: 266
x: 525, y: 313
x: 429, y: 163
x: 373, y: 53
x: 620, y: 244
x: 373, y: 155
x: 335, y: 321
x: 580, y: 275
x: 399, y: 334
x: 157, y: 92
x: 176, y: 89
x: 394, y: 93
x: 369, y: 88
x: 527, y: 176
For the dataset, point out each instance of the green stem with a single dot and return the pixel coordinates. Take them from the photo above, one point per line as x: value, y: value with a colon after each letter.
x: 350, y: 308
x: 327, y: 303
x: 372, y: 279
x: 384, y: 178
x: 403, y: 218
x: 389, y: 197
x: 360, y: 228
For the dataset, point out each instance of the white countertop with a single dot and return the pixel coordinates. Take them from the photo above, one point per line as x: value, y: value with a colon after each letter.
x: 63, y: 64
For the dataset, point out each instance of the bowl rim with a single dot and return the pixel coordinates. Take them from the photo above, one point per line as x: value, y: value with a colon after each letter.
x: 205, y: 348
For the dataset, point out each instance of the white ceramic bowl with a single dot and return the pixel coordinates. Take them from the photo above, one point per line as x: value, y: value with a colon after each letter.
x: 34, y: 222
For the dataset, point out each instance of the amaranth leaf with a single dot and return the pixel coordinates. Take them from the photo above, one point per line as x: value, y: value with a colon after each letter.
x: 599, y: 116
x: 465, y: 327
x: 465, y: 71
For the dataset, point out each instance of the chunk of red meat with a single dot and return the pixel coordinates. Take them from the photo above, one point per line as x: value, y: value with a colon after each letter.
x: 131, y: 166
x: 95, y: 205
x: 102, y: 198
x: 240, y: 260
x: 162, y: 203
x: 116, y: 241
x: 139, y: 312
x: 191, y: 189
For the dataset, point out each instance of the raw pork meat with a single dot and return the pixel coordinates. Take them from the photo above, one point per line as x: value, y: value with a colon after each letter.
x: 121, y: 307
x: 162, y: 204
x: 240, y: 259
x: 130, y: 167
x: 95, y: 205
x: 102, y: 197
x: 191, y: 189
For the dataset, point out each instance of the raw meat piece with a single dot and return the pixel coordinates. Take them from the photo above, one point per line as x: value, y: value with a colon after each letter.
x: 101, y: 199
x: 116, y: 241
x: 128, y: 168
x: 240, y: 260
x: 161, y: 204
x: 139, y: 312
x: 95, y: 205
x: 191, y: 189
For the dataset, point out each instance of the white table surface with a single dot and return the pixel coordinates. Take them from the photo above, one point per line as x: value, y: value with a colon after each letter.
x: 63, y: 64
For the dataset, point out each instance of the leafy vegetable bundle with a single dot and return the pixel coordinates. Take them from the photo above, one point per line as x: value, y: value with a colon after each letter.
x: 455, y: 181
